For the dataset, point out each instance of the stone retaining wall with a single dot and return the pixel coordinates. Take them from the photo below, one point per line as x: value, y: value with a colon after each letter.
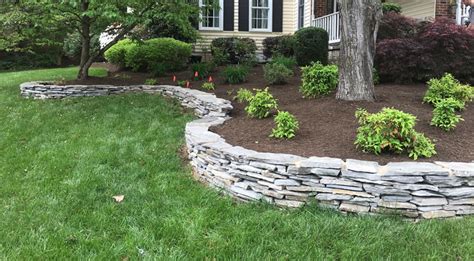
x: 412, y: 189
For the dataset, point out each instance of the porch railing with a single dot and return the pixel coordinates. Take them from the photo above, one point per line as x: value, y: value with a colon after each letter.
x: 332, y: 24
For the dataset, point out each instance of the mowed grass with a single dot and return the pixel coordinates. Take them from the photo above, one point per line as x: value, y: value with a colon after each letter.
x: 61, y: 161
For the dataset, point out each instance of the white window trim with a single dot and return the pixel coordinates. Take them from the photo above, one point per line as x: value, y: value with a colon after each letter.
x: 270, y: 18
x: 221, y: 18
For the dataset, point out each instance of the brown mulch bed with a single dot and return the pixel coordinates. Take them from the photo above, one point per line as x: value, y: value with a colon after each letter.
x: 327, y: 126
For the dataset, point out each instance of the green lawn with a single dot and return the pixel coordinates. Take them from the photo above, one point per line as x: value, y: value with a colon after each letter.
x: 62, y: 161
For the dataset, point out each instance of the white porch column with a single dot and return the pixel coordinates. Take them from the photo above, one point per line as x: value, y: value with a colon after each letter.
x: 458, y: 12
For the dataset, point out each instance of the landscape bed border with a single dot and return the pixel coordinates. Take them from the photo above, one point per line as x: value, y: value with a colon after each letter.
x: 419, y: 190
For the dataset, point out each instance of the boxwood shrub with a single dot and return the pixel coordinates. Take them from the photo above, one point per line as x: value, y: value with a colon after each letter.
x: 116, y: 53
x: 311, y: 45
x: 279, y: 45
x: 234, y: 50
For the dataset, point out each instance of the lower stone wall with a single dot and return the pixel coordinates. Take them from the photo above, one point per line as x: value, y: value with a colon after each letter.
x: 412, y: 189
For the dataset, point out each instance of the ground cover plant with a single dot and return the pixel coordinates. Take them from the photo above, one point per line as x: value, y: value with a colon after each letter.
x: 61, y: 161
x: 391, y: 130
x: 210, y: 86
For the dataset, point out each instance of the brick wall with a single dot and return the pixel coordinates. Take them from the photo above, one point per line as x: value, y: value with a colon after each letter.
x: 445, y: 9
x: 320, y: 8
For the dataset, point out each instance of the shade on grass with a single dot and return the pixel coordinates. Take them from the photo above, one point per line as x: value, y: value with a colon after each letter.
x: 62, y: 161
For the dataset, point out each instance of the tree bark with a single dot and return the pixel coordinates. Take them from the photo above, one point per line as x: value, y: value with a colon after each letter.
x: 359, y: 26
x: 85, y: 43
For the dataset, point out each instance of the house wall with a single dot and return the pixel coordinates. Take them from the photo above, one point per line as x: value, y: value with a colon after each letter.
x: 290, y: 14
x: 419, y: 9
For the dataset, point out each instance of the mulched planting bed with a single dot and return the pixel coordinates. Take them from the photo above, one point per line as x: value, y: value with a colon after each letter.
x: 327, y: 126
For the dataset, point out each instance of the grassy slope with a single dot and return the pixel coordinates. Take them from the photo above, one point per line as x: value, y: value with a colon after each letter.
x: 62, y: 161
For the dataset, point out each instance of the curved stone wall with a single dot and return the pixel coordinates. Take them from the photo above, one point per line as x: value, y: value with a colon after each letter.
x: 412, y: 189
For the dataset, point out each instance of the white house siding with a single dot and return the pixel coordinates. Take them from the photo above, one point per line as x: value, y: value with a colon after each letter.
x: 289, y: 27
x: 418, y: 9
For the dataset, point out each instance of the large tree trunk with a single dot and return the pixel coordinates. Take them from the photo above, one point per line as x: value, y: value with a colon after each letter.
x: 85, y: 43
x: 358, y: 35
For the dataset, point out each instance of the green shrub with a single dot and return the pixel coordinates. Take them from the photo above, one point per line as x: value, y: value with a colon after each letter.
x: 158, y: 69
x: 444, y: 114
x: 171, y: 53
x: 234, y: 74
x: 447, y: 87
x: 279, y: 45
x: 203, y: 69
x: 208, y: 86
x: 375, y: 76
x: 116, y: 54
x: 391, y: 130
x: 182, y: 83
x: 311, y: 45
x: 288, y: 62
x: 286, y: 125
x: 234, y: 50
x: 319, y: 80
x: 261, y: 104
x: 276, y: 73
x: 243, y: 95
x: 391, y: 7
x: 150, y: 81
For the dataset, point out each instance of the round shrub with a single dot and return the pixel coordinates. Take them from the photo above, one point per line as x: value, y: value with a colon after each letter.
x: 276, y: 73
x: 311, y: 45
x: 169, y: 52
x: 447, y: 87
x: 116, y: 54
x: 234, y: 50
x: 279, y: 45
x: 319, y: 80
x: 261, y: 104
x: 391, y: 130
x: 286, y: 126
x: 243, y: 95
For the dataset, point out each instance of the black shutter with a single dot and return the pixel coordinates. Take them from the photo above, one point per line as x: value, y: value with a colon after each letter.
x: 277, y: 15
x: 243, y: 15
x: 228, y: 15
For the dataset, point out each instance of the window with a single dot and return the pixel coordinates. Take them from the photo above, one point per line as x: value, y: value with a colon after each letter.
x: 261, y: 15
x: 300, y: 14
x: 211, y: 14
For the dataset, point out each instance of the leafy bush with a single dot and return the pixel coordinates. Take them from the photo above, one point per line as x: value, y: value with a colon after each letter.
x: 311, y: 45
x: 391, y: 130
x: 276, y: 73
x: 319, y: 80
x: 182, y: 83
x: 169, y: 52
x: 150, y: 81
x: 208, y: 86
x: 391, y: 8
x: 447, y: 87
x: 288, y: 62
x: 280, y: 45
x: 116, y: 54
x: 394, y: 26
x: 243, y: 95
x: 444, y: 114
x: 234, y: 74
x: 203, y: 69
x: 400, y: 60
x: 438, y: 47
x: 286, y: 125
x: 261, y: 104
x: 236, y: 50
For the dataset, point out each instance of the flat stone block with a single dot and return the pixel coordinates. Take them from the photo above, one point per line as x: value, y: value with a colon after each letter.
x: 362, y: 166
x: 438, y: 214
x: 414, y: 169
x: 353, y: 208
